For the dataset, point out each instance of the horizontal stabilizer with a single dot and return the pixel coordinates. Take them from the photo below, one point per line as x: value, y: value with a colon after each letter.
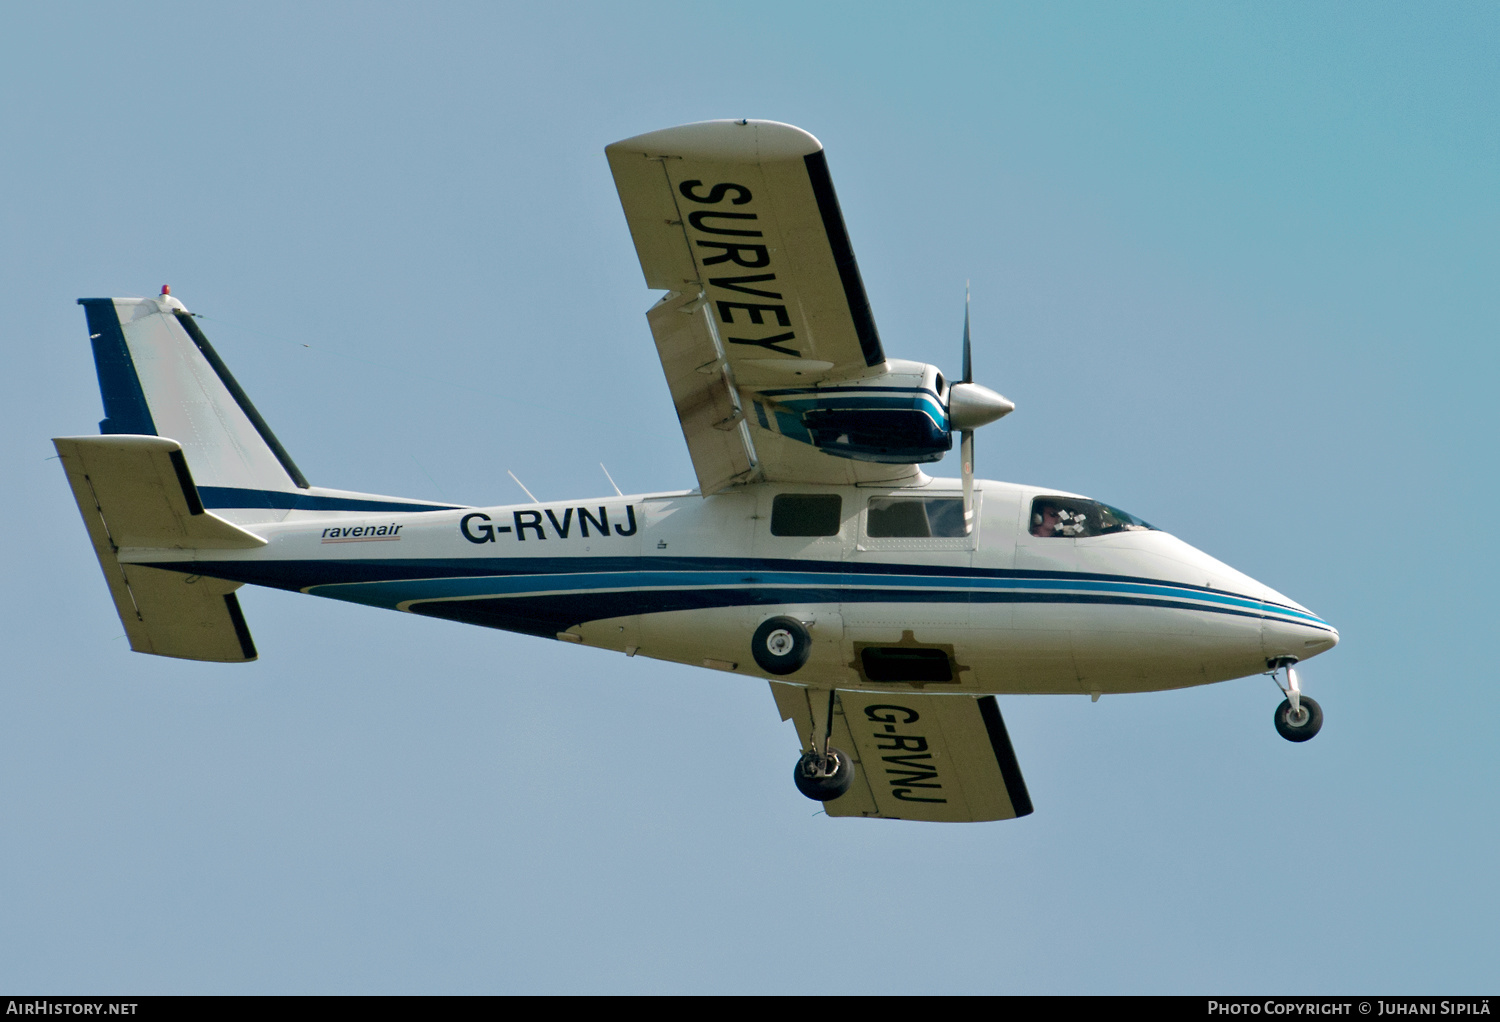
x: 940, y: 758
x: 142, y: 488
x: 137, y: 492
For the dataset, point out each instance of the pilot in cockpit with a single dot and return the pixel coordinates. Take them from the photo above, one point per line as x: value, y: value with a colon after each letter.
x: 1049, y: 519
x: 1045, y: 520
x: 1076, y: 517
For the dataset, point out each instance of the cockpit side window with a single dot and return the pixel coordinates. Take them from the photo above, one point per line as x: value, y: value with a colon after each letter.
x: 1073, y: 517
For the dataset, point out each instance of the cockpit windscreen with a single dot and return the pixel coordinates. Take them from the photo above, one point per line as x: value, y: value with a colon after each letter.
x: 1074, y: 517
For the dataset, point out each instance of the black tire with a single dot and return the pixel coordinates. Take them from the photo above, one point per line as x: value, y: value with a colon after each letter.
x: 781, y: 645
x: 815, y: 781
x: 1294, y: 732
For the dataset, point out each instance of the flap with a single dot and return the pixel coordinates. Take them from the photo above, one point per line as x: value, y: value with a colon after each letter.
x: 941, y: 758
x: 703, y: 391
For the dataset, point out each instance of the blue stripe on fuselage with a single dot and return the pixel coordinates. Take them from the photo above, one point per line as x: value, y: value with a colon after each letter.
x: 549, y: 614
x: 390, y: 583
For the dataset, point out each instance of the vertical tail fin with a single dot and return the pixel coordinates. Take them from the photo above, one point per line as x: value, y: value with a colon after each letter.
x: 159, y: 376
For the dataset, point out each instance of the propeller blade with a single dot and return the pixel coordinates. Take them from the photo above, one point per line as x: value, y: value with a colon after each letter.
x: 966, y: 444
x: 968, y: 364
x: 966, y: 452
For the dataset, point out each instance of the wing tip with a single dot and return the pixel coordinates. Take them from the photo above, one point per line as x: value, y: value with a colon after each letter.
x: 725, y: 139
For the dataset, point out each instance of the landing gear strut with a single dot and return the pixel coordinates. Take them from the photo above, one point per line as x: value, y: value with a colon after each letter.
x: 1299, y: 717
x: 823, y: 773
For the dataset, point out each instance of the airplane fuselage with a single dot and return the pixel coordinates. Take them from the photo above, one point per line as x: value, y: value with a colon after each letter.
x: 680, y: 577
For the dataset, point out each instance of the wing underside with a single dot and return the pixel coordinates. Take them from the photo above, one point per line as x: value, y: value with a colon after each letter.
x: 939, y: 758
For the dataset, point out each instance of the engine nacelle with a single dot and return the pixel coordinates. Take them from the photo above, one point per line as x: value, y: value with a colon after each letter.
x: 907, y: 414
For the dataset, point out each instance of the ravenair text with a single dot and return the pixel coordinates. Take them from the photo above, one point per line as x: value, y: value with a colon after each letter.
x: 728, y: 241
x: 549, y: 523
x: 361, y: 533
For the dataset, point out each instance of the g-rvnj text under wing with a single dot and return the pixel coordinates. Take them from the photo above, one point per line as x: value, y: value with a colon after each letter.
x: 940, y: 758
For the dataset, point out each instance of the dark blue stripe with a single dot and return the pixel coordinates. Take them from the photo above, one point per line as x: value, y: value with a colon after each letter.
x: 1005, y: 756
x: 294, y: 500
x: 846, y: 402
x: 648, y: 586
x: 302, y: 574
x: 241, y: 398
x: 125, y: 408
x: 843, y: 258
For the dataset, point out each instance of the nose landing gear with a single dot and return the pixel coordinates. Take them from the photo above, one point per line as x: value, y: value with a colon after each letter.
x: 823, y: 773
x: 1299, y: 717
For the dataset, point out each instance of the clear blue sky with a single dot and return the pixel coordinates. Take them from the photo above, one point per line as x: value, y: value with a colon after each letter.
x: 1236, y: 263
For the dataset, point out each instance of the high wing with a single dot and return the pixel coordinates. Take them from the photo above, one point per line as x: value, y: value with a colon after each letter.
x: 739, y: 223
x: 940, y: 758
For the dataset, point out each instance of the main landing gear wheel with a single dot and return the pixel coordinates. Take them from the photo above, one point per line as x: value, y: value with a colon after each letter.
x: 781, y: 645
x: 823, y: 773
x: 824, y: 778
x: 1301, y: 724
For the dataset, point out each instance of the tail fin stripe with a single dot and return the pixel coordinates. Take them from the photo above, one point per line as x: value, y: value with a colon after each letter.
x: 185, y: 480
x: 125, y: 408
x: 238, y: 393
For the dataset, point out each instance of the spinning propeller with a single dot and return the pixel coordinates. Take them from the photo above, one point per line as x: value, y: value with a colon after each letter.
x: 970, y: 406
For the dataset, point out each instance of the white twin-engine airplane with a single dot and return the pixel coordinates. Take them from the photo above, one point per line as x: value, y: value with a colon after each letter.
x: 886, y: 608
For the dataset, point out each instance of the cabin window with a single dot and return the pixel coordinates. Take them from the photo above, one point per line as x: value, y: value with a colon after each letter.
x: 1073, y: 517
x: 915, y: 518
x: 904, y: 663
x: 806, y: 514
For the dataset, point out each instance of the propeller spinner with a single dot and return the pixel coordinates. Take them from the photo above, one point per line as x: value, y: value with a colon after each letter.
x: 971, y: 405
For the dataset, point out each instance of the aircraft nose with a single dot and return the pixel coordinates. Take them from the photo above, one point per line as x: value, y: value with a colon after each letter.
x: 1301, y: 637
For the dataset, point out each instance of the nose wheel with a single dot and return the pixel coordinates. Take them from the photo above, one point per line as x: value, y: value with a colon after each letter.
x: 1299, y: 717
